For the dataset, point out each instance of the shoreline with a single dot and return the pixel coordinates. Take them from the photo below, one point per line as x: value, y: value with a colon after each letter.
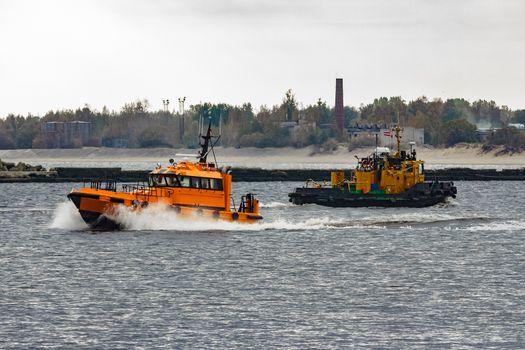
x: 460, y: 156
x: 247, y: 175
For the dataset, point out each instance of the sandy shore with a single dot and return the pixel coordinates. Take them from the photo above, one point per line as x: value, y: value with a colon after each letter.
x: 268, y: 158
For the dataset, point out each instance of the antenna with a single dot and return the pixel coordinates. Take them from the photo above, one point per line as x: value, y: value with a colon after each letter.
x: 181, y: 120
x: 204, y: 150
x: 208, y: 145
x: 218, y: 138
x: 397, y: 130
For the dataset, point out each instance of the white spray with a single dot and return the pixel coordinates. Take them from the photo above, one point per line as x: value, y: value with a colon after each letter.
x: 66, y: 216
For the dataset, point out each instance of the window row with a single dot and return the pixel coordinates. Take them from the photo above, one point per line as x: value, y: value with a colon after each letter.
x: 185, y: 181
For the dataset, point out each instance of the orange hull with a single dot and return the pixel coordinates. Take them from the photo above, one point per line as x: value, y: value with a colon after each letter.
x: 97, y: 208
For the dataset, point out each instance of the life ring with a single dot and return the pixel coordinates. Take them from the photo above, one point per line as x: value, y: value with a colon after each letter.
x: 144, y: 204
x: 235, y: 216
x: 216, y: 214
x: 199, y: 212
x: 177, y: 209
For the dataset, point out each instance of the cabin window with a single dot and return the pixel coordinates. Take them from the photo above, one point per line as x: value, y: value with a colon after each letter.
x: 409, y: 168
x: 171, y: 181
x: 216, y: 184
x: 157, y: 180
x: 205, y: 183
x: 194, y: 182
x: 184, y: 181
x: 187, y: 181
x: 421, y: 168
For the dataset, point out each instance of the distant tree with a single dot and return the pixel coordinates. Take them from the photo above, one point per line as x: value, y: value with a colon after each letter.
x: 454, y: 109
x: 139, y: 107
x: 22, y: 130
x: 445, y: 123
x: 319, y: 113
x: 84, y: 114
x: 426, y: 114
x: 506, y: 115
x: 385, y: 111
x: 311, y: 130
x: 320, y: 136
x: 519, y: 116
x: 152, y: 137
x: 350, y: 115
x: 6, y: 140
x: 251, y: 140
x: 289, y: 104
x: 44, y: 140
x: 418, y: 105
x: 509, y: 137
x: 12, y: 125
x: 487, y: 112
x: 279, y: 137
x: 459, y: 130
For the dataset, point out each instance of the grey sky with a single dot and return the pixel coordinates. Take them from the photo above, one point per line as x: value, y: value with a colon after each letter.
x: 58, y: 54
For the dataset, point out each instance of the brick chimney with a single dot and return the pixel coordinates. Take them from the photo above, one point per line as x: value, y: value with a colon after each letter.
x: 339, y: 112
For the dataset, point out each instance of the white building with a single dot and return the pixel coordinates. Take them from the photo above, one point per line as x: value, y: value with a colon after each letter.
x: 385, y: 136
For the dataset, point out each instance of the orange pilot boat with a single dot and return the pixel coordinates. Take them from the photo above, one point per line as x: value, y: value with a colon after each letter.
x: 194, y: 189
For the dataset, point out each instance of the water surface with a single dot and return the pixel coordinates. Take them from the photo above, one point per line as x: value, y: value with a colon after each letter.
x: 449, y: 276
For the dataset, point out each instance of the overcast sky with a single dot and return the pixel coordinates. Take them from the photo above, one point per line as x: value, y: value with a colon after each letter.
x: 58, y: 54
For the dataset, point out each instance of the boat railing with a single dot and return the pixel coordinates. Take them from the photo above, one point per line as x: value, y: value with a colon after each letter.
x: 232, y: 204
x: 242, y: 206
x: 144, y: 191
x: 246, y: 205
x: 97, y: 184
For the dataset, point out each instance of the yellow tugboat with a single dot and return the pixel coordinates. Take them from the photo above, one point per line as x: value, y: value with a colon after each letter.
x: 197, y: 189
x: 380, y: 180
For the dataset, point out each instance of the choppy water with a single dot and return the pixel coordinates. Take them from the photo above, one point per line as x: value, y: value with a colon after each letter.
x: 307, y: 277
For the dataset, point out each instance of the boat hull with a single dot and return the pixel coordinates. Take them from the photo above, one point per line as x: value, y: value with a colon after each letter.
x: 422, y: 195
x: 98, y: 211
x: 98, y: 221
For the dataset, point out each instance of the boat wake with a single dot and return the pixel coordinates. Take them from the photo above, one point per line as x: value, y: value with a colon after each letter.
x: 159, y: 217
x: 417, y: 218
x: 508, y: 225
x: 162, y: 218
x: 276, y: 205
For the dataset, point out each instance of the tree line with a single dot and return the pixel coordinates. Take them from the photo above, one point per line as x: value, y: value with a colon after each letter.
x: 445, y: 123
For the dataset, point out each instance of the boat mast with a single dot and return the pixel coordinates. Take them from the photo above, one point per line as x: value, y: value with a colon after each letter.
x: 205, y: 145
x: 375, y: 155
x: 397, y: 130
